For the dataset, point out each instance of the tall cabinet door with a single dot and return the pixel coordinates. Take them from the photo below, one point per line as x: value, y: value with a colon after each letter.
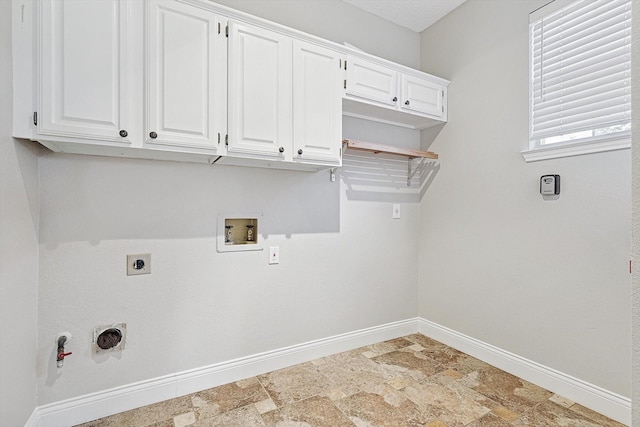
x: 317, y: 104
x: 186, y: 68
x: 259, y: 93
x: 85, y: 70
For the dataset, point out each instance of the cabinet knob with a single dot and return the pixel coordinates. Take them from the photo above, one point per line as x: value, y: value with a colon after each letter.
x: 395, y: 99
x: 300, y: 151
x: 153, y: 135
x: 281, y: 149
x: 406, y: 102
x: 124, y: 133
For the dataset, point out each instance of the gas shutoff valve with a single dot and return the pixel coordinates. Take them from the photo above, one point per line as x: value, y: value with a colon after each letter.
x: 63, y: 339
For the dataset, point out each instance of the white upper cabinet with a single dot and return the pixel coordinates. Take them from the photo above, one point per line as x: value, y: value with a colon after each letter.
x: 317, y: 104
x: 196, y: 81
x: 371, y: 82
x: 186, y: 75
x: 397, y: 96
x: 423, y: 97
x: 284, y: 99
x: 260, y: 91
x: 85, y: 69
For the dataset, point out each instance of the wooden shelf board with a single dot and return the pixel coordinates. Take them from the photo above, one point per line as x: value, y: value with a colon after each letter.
x: 388, y: 149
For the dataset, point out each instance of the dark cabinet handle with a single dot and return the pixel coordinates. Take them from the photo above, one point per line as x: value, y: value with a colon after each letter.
x: 300, y: 151
x: 124, y: 133
x: 406, y: 102
x: 395, y: 99
x: 153, y: 135
x: 281, y: 149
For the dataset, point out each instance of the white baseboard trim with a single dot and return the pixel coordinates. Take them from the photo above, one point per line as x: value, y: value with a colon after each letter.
x: 108, y: 402
x: 104, y: 403
x: 33, y: 419
x: 593, y: 397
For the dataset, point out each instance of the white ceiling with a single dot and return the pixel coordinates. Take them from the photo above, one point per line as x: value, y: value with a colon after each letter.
x: 415, y: 15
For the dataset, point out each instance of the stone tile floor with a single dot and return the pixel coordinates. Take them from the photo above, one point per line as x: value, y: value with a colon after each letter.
x: 405, y: 382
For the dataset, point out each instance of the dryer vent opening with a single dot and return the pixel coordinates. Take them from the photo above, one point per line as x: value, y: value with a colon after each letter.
x: 109, y: 338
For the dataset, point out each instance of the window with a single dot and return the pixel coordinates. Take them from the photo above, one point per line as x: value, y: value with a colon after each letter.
x: 580, y: 77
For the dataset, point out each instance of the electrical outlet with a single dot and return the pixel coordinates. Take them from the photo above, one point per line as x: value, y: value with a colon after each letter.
x: 396, y: 211
x: 138, y: 264
x: 274, y: 255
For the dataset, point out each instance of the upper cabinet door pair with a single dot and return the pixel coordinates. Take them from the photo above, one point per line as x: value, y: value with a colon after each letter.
x: 390, y: 88
x: 284, y: 97
x: 87, y: 69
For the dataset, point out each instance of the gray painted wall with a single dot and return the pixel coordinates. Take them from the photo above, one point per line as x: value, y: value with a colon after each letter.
x: 339, y: 22
x: 635, y: 191
x: 345, y: 264
x: 482, y: 224
x: 545, y: 279
x: 18, y: 253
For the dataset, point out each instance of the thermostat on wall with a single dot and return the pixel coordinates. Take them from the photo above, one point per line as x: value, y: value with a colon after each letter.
x: 550, y: 185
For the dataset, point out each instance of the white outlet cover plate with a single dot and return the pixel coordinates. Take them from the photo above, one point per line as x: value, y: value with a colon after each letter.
x: 274, y: 255
x: 396, y: 211
x: 131, y: 260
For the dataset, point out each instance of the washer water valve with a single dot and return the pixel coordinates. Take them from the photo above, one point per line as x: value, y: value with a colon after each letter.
x: 63, y: 338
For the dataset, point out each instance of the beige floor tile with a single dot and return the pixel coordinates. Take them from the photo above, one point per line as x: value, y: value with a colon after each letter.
x: 313, y: 412
x: 549, y: 414
x: 416, y: 347
x: 465, y: 393
x: 399, y: 383
x: 248, y: 382
x: 508, y: 390
x: 240, y: 417
x: 369, y: 409
x: 562, y: 401
x: 336, y: 394
x: 424, y: 341
x: 490, y: 420
x: 370, y: 354
x: 450, y: 358
x: 445, y: 404
x: 592, y: 415
x: 265, y: 406
x: 405, y: 382
x: 504, y: 413
x: 352, y: 373
x: 451, y: 374
x: 184, y: 420
x: 229, y: 396
x: 146, y: 415
x: 418, y: 366
x: 299, y: 382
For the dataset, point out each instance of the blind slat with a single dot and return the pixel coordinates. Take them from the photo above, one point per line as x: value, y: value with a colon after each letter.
x: 615, y: 34
x: 617, y: 74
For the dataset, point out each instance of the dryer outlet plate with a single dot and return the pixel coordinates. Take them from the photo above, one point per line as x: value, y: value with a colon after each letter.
x: 138, y: 264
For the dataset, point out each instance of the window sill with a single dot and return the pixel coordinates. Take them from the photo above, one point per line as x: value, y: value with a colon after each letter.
x: 576, y: 149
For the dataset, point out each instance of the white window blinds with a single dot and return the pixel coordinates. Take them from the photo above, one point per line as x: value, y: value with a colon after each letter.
x: 581, y: 72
